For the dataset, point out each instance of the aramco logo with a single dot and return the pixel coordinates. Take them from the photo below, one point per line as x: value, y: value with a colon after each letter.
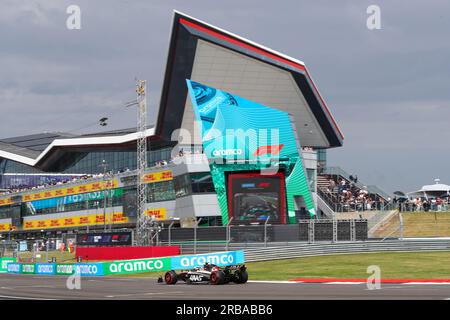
x: 227, y: 152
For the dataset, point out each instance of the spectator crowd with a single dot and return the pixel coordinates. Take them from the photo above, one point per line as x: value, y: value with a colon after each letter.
x: 348, y: 197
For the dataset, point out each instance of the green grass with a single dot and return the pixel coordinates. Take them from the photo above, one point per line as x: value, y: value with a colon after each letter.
x: 393, y: 265
x: 61, y: 257
x: 418, y: 224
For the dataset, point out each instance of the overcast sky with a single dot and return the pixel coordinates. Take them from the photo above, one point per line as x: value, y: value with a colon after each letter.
x: 388, y: 89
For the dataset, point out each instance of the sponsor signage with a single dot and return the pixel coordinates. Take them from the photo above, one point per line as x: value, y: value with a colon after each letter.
x: 137, y: 266
x: 129, y: 266
x: 89, y: 187
x: 89, y: 269
x: 158, y: 213
x: 14, y: 267
x: 4, y: 263
x: 6, y: 201
x: 119, y: 238
x: 157, y: 176
x: 75, y: 221
x: 28, y: 268
x: 45, y: 268
x: 75, y: 198
x: 220, y: 258
x: 64, y: 269
x: 227, y: 152
x: 5, y: 227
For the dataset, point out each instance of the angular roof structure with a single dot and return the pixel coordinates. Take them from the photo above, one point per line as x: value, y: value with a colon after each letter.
x: 204, y: 53
x: 215, y: 57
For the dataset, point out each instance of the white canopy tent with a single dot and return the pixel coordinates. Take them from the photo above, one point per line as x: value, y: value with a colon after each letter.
x: 431, y: 191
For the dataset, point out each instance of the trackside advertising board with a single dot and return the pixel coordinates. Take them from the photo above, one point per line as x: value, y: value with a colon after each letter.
x: 89, y: 269
x: 14, y: 267
x: 28, y: 268
x: 219, y: 258
x: 137, y: 266
x: 65, y: 269
x: 45, y: 268
x: 130, y: 266
x: 4, y: 263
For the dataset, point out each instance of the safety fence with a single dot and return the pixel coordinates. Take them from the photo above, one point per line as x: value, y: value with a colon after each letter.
x: 305, y: 230
x: 286, y: 250
x: 305, y: 250
x: 128, y: 266
x: 8, y: 248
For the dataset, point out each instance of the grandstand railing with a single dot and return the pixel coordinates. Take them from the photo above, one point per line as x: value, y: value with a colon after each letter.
x: 332, y: 199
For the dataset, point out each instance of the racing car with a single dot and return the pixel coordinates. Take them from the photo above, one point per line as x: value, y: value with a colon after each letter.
x: 209, y: 273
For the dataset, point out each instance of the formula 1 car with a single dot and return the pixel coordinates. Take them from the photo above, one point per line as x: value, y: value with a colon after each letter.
x: 209, y: 273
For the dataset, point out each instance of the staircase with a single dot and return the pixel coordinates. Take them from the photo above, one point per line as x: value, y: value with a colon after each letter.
x: 323, y: 206
x: 322, y: 182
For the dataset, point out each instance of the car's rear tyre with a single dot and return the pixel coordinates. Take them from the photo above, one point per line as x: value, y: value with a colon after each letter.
x: 240, y: 276
x: 170, y: 277
x: 217, y: 277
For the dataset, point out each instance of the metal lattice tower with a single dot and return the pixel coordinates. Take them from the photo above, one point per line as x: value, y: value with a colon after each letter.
x: 142, y: 236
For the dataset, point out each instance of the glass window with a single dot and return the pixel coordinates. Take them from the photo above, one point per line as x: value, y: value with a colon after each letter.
x: 182, y: 186
x: 202, y: 182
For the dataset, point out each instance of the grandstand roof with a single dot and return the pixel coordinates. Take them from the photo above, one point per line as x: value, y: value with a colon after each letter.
x: 17, y: 149
x: 207, y: 54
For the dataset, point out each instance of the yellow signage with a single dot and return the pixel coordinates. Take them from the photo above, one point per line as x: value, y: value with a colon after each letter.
x: 157, y: 176
x: 158, y: 213
x: 5, y: 201
x: 76, y: 221
x: 5, y: 227
x: 83, y: 188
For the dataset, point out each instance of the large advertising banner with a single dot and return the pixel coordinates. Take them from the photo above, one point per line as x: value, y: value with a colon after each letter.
x: 185, y: 262
x: 242, y: 135
x: 76, y: 198
x: 75, y: 221
x: 219, y: 258
x: 66, y: 191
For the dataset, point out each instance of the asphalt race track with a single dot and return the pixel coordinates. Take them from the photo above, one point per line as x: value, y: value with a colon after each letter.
x: 32, y: 287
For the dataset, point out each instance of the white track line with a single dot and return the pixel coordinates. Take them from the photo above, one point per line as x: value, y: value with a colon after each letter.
x: 24, y: 298
x: 268, y: 281
x: 341, y: 282
x: 144, y: 294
